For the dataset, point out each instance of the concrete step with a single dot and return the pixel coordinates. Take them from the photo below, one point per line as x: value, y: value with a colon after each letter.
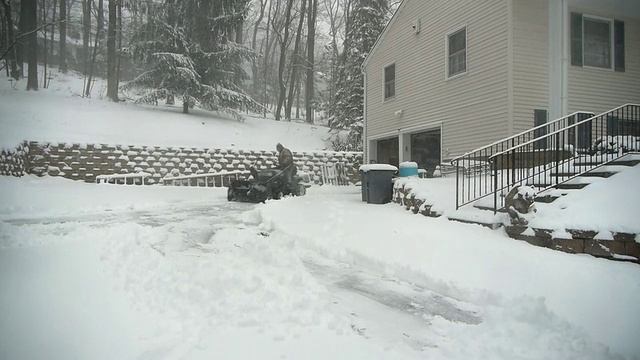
x: 625, y: 162
x: 473, y: 215
x: 488, y: 208
x: 572, y: 186
x: 602, y: 174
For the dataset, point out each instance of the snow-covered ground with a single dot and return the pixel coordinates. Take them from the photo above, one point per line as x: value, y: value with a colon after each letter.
x: 104, y: 271
x: 60, y: 114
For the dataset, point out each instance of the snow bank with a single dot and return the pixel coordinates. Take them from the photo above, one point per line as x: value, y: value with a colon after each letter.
x: 526, y: 284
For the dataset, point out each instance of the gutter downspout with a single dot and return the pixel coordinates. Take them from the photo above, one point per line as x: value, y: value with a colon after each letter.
x: 564, y: 76
x: 365, y: 140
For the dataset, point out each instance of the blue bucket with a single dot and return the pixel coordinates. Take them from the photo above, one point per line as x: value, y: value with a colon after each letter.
x: 408, y: 168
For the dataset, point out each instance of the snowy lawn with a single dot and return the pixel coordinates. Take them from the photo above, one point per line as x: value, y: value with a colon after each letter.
x: 107, y: 271
x: 60, y: 114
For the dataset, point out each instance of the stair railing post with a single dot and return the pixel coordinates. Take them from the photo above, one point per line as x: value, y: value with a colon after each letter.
x: 457, y: 184
x: 495, y: 187
x: 557, y: 155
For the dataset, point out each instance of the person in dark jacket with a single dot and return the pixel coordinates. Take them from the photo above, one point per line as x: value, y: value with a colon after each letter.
x: 285, y: 163
x: 285, y: 158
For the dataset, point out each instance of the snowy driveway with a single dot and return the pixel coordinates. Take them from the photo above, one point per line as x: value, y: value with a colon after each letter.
x: 168, y: 282
x: 110, y: 272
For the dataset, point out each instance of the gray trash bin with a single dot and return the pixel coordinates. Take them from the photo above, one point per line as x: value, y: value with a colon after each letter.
x: 377, y: 184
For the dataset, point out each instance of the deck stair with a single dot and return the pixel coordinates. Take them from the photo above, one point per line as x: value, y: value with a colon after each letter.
x: 565, y: 154
x: 556, y: 158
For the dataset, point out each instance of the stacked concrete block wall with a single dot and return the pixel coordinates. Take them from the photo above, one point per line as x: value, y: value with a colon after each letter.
x: 14, y: 162
x: 86, y: 161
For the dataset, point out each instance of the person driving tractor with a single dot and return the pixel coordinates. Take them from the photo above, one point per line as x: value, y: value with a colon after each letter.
x: 285, y: 162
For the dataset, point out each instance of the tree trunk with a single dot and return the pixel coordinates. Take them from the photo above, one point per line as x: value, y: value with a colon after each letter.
x: 30, y: 7
x: 53, y: 27
x: 95, y: 48
x: 296, y: 61
x: 283, y: 53
x: 112, y: 75
x: 237, y: 80
x: 254, y: 61
x: 311, y: 38
x: 86, y: 33
x: 63, y: 36
x: 185, y: 104
x: 11, y: 38
x: 44, y: 29
x: 119, y: 44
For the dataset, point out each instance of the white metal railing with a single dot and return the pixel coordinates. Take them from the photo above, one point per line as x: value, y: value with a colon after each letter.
x: 123, y: 179
x: 208, y: 178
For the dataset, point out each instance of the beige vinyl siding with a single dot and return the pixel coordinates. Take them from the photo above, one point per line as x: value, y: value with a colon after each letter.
x: 599, y: 90
x: 530, y: 61
x: 472, y: 107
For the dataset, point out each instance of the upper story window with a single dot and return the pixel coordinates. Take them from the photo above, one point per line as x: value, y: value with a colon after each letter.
x: 390, y: 82
x: 597, y: 42
x: 457, y: 52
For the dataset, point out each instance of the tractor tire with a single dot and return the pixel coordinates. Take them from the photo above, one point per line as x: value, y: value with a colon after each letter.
x: 231, y: 195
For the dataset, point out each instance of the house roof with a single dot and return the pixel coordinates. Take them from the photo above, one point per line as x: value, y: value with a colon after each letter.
x: 384, y: 32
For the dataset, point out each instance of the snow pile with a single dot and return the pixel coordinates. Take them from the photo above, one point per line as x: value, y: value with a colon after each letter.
x: 522, y: 289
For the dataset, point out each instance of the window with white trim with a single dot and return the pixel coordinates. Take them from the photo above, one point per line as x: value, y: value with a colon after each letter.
x: 457, y: 52
x: 598, y: 44
x: 390, y: 81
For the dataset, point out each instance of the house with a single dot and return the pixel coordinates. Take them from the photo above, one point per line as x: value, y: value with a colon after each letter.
x: 448, y: 76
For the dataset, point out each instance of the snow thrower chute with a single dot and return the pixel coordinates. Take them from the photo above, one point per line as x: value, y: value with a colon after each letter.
x: 267, y: 184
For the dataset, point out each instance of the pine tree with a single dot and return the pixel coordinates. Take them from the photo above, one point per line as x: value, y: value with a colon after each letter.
x: 190, y: 46
x: 368, y: 19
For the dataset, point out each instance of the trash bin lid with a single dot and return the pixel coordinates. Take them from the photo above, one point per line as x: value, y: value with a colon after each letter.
x: 408, y: 165
x: 374, y: 167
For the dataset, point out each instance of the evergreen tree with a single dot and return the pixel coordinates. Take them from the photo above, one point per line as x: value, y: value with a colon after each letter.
x: 368, y: 19
x: 189, y: 46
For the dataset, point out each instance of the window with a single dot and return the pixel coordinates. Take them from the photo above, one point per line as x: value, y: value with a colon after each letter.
x: 457, y: 52
x: 390, y: 82
x: 597, y: 43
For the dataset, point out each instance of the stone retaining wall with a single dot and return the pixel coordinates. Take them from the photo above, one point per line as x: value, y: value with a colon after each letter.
x: 14, y: 162
x: 86, y: 161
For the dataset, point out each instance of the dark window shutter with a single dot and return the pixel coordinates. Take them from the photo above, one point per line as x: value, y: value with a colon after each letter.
x: 539, y: 118
x: 618, y: 40
x: 576, y: 39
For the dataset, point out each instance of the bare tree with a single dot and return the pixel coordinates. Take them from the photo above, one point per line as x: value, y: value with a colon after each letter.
x: 282, y: 62
x: 11, y: 38
x: 254, y: 39
x: 92, y: 64
x: 295, y: 64
x: 86, y: 33
x: 112, y: 74
x: 63, y: 36
x: 311, y: 36
x: 30, y: 9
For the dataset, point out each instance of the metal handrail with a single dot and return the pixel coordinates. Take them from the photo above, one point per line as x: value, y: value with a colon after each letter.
x: 474, y: 182
x: 582, y: 122
x: 547, y: 124
x: 549, y: 167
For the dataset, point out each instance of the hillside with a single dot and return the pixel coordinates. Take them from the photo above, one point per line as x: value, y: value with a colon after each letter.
x: 60, y: 114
